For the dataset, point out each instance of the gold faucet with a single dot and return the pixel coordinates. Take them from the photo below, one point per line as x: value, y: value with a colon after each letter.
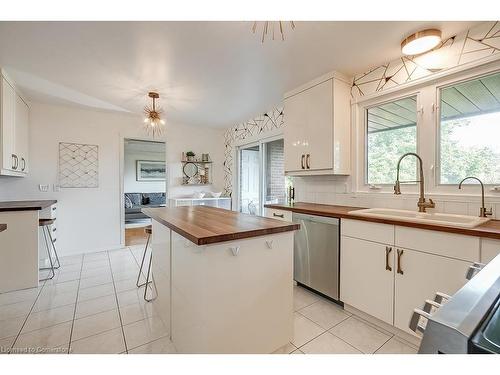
x: 483, y: 212
x: 422, y: 203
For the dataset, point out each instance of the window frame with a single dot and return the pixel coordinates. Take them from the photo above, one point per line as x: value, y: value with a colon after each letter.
x: 438, y: 89
x: 365, y: 132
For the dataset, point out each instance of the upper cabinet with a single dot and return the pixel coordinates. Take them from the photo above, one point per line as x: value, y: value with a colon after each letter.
x: 317, y: 127
x: 14, y: 130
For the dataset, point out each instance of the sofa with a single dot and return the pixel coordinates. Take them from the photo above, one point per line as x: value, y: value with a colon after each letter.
x: 135, y: 202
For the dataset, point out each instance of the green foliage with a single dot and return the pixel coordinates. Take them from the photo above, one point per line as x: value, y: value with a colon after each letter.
x: 384, y: 150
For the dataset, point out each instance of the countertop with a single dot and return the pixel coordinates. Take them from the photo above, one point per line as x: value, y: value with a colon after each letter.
x: 26, y: 205
x: 491, y: 229
x: 3, y: 227
x: 204, y: 225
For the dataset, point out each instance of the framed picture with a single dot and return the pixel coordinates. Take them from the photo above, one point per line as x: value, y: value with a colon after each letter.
x: 149, y: 170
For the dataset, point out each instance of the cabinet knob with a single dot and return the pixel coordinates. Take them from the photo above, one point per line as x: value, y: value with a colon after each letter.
x: 235, y: 250
x: 400, y: 254
x: 278, y: 215
x: 388, y: 251
x: 308, y: 159
x: 302, y: 161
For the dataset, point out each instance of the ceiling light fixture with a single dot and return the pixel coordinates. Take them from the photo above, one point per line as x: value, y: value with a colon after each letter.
x: 421, y: 41
x: 269, y: 27
x: 153, y: 121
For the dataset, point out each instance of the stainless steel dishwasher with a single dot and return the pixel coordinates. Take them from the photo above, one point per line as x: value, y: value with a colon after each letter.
x: 316, y: 253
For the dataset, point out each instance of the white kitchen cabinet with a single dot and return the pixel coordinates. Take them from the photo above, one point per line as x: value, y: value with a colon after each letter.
x: 418, y: 277
x: 278, y: 214
x: 365, y: 281
x: 14, y: 129
x: 421, y: 262
x: 489, y: 249
x: 317, y: 127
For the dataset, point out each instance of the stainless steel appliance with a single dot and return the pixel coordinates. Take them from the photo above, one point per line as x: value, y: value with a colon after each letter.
x: 316, y: 253
x: 468, y: 321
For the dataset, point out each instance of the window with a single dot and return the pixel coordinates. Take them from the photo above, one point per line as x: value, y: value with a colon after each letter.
x: 249, y: 180
x: 391, y: 131
x: 469, y: 131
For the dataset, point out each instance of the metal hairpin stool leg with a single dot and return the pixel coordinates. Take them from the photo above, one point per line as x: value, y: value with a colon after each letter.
x: 148, y: 230
x: 44, y: 224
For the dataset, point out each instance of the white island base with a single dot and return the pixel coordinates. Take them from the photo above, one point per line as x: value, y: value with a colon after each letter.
x: 227, y: 297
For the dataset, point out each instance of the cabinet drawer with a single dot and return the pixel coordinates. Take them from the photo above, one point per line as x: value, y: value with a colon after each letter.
x: 278, y: 214
x: 447, y: 244
x: 365, y: 230
x: 49, y: 212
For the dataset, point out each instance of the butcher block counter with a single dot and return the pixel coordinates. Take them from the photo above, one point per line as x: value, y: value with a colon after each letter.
x: 490, y: 229
x: 224, y: 280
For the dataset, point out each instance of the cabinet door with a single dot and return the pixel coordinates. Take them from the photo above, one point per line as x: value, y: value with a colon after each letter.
x: 423, y: 275
x: 365, y: 283
x: 8, y: 125
x: 22, y: 133
x: 320, y: 126
x: 295, y: 117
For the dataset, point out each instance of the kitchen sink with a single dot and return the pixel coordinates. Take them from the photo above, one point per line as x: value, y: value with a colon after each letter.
x: 460, y: 221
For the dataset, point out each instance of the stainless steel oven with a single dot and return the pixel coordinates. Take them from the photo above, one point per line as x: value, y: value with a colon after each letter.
x: 316, y: 253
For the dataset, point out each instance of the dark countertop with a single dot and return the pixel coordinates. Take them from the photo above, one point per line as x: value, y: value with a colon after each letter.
x: 26, y: 205
x: 206, y: 225
x: 3, y: 227
x: 491, y: 229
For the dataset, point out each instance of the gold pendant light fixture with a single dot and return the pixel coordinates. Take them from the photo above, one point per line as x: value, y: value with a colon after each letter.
x: 272, y: 28
x: 154, y: 124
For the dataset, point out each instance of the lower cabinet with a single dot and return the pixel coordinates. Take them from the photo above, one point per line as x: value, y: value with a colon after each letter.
x: 389, y: 281
x: 365, y: 281
x: 418, y: 277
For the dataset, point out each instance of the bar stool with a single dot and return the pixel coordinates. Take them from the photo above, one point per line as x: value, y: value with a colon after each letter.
x: 44, y: 224
x: 148, y: 230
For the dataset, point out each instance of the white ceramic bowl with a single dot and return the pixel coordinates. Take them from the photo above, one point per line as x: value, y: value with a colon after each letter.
x: 216, y: 195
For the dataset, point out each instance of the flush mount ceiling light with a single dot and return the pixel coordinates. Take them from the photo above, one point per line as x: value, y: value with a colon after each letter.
x: 420, y: 42
x: 271, y: 28
x: 154, y: 123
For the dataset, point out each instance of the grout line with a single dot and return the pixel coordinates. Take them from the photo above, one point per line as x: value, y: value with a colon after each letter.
x: 27, y: 316
x: 117, y: 304
x: 160, y: 338
x: 382, y: 345
x: 76, y: 304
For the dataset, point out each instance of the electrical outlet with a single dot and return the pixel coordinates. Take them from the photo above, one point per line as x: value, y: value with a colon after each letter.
x: 56, y: 187
x: 44, y: 188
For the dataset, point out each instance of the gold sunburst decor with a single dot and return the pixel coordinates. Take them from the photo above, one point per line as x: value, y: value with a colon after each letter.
x: 154, y: 124
x: 272, y: 28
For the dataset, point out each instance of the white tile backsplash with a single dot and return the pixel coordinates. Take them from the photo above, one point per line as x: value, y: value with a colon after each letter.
x: 335, y: 190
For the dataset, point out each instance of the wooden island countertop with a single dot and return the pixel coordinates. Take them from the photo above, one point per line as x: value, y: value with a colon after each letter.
x: 490, y: 229
x: 204, y: 225
x: 26, y: 205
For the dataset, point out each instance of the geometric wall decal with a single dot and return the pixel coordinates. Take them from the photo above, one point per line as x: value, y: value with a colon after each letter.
x: 270, y: 120
x: 78, y: 165
x: 474, y: 44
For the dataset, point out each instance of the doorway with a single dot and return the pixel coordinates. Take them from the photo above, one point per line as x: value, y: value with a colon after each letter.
x: 261, y: 175
x: 144, y: 185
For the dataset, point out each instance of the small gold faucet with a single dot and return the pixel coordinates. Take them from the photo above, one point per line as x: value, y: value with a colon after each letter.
x: 483, y: 212
x: 422, y: 203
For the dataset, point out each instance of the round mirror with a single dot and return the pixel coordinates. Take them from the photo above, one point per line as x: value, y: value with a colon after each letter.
x: 190, y: 170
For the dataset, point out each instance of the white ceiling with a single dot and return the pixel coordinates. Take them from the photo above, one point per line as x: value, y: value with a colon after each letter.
x: 207, y: 73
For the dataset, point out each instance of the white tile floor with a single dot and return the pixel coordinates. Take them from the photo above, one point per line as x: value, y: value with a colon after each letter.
x: 93, y: 306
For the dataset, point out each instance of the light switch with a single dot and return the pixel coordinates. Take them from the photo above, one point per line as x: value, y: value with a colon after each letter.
x: 43, y: 188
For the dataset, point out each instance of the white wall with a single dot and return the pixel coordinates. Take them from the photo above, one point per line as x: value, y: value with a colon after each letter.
x: 130, y: 183
x: 89, y: 219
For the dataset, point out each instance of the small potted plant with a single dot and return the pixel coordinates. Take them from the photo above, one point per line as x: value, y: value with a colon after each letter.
x: 190, y: 155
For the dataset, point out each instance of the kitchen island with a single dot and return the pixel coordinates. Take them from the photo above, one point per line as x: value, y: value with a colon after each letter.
x: 224, y: 280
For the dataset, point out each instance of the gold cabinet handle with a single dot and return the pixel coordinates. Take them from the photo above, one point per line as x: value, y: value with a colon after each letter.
x: 388, y: 251
x: 308, y: 158
x: 278, y: 215
x: 302, y: 161
x: 400, y: 254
